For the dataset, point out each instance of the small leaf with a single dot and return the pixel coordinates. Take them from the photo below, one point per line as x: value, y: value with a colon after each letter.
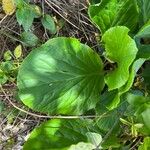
x: 25, y: 17
x: 37, y: 11
x: 62, y: 76
x: 29, y: 39
x: 8, y: 55
x: 8, y: 6
x: 48, y: 23
x: 121, y: 49
x: 18, y: 51
x: 109, y: 13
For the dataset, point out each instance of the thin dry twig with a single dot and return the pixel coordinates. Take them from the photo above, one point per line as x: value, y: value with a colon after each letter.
x: 45, y: 116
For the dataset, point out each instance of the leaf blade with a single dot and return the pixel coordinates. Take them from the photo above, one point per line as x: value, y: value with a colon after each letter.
x: 62, y: 76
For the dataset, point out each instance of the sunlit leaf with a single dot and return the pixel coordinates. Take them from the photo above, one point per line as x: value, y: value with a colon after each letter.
x: 121, y: 49
x: 63, y: 135
x: 62, y: 76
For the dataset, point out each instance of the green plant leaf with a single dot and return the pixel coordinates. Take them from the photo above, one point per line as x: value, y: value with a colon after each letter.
x: 145, y: 145
x: 109, y: 13
x: 121, y: 49
x: 142, y: 39
x: 25, y: 16
x: 36, y: 10
x: 125, y: 88
x: 62, y: 135
x: 8, y: 55
x: 141, y: 106
x: 18, y: 51
x: 144, y: 9
x: 29, y: 39
x: 62, y: 76
x: 48, y: 23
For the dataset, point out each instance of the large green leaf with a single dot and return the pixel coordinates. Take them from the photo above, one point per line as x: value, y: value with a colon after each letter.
x: 62, y: 134
x: 142, y: 39
x: 110, y: 13
x: 144, y: 9
x: 121, y: 49
x: 62, y: 76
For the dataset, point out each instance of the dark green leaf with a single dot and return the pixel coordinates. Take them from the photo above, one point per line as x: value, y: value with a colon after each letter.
x: 48, y: 23
x: 142, y: 39
x: 29, y: 39
x: 144, y: 9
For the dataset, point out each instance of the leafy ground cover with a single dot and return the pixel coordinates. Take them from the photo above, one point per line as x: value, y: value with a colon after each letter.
x: 75, y: 75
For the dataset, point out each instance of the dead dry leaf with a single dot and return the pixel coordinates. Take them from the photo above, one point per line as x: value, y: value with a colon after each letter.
x: 8, y: 6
